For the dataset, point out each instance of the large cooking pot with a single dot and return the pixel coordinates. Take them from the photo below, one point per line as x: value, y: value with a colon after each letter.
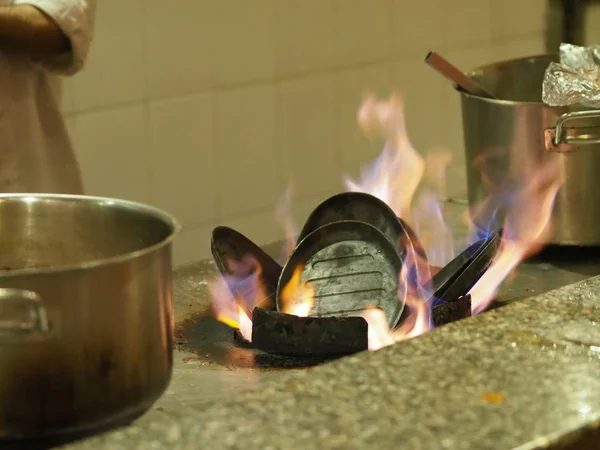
x: 516, y: 131
x: 85, y: 312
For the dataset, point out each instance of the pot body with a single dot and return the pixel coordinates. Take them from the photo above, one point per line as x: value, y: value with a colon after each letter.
x: 86, y: 319
x: 507, y: 139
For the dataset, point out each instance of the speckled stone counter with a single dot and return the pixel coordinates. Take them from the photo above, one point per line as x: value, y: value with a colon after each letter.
x: 523, y: 376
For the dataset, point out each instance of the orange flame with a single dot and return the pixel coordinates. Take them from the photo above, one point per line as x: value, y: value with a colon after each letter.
x: 228, y: 309
x: 526, y: 229
x: 418, y: 303
x: 437, y: 161
x: 396, y: 178
x: 234, y: 297
x: 527, y: 205
x: 379, y: 331
x: 418, y: 321
x: 429, y: 225
x: 396, y: 174
x: 297, y: 297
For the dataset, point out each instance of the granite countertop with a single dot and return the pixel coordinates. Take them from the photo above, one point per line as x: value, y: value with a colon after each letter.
x: 523, y: 376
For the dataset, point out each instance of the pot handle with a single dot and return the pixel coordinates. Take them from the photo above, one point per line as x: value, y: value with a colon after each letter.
x: 35, y: 308
x: 559, y: 139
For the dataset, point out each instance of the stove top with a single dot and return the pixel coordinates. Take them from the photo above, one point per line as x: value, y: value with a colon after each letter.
x: 353, y: 255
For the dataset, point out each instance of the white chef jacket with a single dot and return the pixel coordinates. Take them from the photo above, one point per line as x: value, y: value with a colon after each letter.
x: 36, y: 154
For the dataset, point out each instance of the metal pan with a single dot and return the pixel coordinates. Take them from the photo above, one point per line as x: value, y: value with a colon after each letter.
x: 362, y: 207
x: 448, y: 274
x: 228, y: 244
x: 412, y: 243
x: 458, y: 277
x: 351, y: 265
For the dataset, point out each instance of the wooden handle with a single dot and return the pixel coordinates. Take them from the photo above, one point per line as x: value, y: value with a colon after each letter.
x: 466, y: 83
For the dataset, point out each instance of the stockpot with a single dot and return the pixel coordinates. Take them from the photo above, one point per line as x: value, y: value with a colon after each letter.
x: 507, y: 138
x: 86, y: 320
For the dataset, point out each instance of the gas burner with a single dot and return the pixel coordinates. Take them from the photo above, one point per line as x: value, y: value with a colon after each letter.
x: 349, y: 258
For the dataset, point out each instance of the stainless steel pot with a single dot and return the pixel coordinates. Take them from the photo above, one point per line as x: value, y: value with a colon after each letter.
x: 517, y: 131
x: 86, y: 317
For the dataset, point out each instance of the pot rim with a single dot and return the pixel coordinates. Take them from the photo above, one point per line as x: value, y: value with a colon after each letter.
x: 152, y: 211
x: 499, y: 65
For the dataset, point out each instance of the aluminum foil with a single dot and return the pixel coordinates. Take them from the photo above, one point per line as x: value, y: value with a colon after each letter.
x: 576, y: 79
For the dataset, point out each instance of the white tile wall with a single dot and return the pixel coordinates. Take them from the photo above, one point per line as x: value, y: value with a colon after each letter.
x: 356, y: 149
x: 364, y: 31
x: 259, y: 226
x: 182, y: 158
x: 308, y: 144
x: 305, y: 35
x: 418, y: 29
x: 243, y: 40
x: 246, y: 149
x: 193, y: 243
x: 425, y: 112
x: 525, y: 18
x: 209, y: 109
x: 115, y: 73
x: 468, y: 22
x: 179, y: 47
x: 113, y: 153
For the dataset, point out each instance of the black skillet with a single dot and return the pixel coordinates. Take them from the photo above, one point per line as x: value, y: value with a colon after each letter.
x: 350, y: 265
x: 229, y: 245
x: 457, y: 277
x: 363, y: 207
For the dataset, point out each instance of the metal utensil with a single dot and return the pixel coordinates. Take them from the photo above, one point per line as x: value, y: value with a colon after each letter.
x: 228, y: 245
x: 450, y: 71
x: 350, y: 265
x: 361, y: 207
x: 457, y: 278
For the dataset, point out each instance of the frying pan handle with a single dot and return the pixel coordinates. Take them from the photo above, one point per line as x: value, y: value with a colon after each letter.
x: 32, y: 302
x: 561, y: 139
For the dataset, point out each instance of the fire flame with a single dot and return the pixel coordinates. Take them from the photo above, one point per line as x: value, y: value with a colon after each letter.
x: 413, y: 187
x: 297, y: 297
x: 235, y: 296
x: 526, y: 229
x: 396, y: 174
x: 380, y: 334
x: 283, y: 213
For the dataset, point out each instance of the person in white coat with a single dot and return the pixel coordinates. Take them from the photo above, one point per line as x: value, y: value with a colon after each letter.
x: 40, y: 40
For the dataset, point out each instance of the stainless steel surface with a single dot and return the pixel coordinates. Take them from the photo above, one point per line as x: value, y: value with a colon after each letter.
x: 456, y: 76
x: 509, y: 135
x: 85, y: 312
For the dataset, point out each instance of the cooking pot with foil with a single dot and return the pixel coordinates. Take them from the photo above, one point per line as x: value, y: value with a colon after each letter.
x: 509, y: 137
x: 86, y: 318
